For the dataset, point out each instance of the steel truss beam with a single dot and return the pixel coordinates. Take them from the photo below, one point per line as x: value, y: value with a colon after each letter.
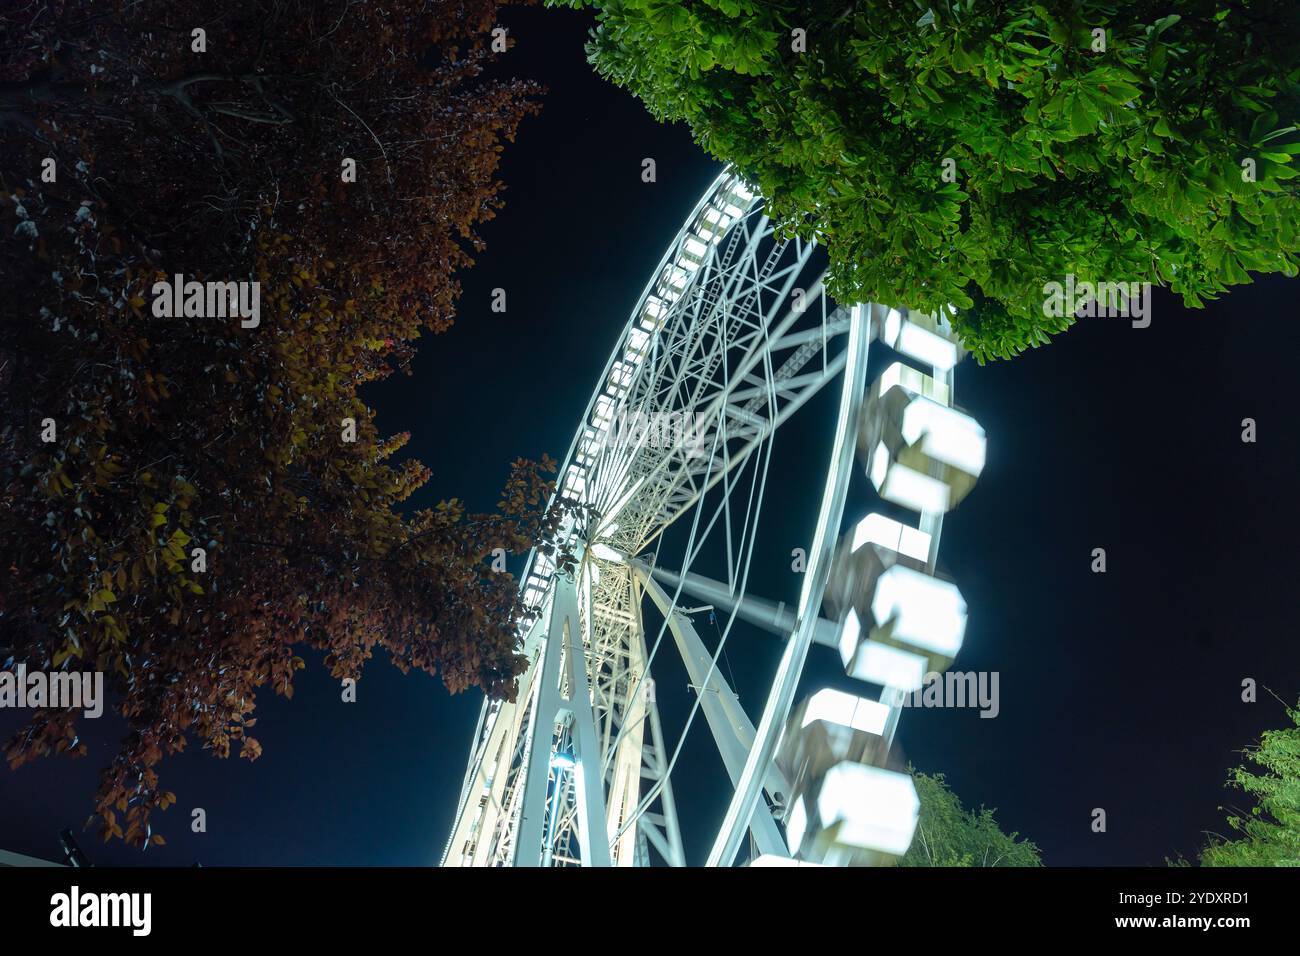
x: 720, y: 335
x: 733, y: 732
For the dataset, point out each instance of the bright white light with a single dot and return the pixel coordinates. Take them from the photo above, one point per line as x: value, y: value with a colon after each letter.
x: 562, y: 760
x: 846, y: 710
x: 606, y: 553
x: 574, y: 484
x: 879, y: 465
x: 914, y: 381
x: 621, y: 372
x: 850, y: 633
x: 771, y: 859
x: 795, y: 825
x: 925, y: 346
x: 906, y: 487
x: 877, y: 529
x: 916, y: 341
x: 888, y: 667
x: 945, y: 435
x: 878, y: 808
x: 868, y: 660
x: 941, y: 434
x: 920, y: 610
x: 608, y: 526
x: 893, y: 322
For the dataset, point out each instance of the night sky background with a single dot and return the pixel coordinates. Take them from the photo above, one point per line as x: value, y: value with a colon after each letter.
x: 1119, y: 690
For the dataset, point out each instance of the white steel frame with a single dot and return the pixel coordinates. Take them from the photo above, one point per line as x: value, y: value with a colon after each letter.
x: 576, y: 770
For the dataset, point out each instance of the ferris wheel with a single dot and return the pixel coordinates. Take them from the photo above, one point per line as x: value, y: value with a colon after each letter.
x: 730, y: 341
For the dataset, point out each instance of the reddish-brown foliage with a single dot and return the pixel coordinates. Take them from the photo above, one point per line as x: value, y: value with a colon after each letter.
x: 177, y: 433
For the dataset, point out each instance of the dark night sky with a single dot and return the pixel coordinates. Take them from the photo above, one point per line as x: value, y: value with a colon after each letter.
x: 1119, y: 690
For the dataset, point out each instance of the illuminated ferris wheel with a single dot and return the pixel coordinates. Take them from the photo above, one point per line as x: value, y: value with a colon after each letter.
x: 731, y: 339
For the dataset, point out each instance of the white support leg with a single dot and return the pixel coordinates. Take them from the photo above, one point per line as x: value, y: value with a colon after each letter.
x: 480, y: 814
x: 732, y: 730
x: 563, y: 640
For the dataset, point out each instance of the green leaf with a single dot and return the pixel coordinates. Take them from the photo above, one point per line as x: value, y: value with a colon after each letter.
x: 1164, y: 23
x: 1117, y: 91
x: 1081, y: 117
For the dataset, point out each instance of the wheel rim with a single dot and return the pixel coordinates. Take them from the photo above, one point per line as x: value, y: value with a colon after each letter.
x: 732, y: 329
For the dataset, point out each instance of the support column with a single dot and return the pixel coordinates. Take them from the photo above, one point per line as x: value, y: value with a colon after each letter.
x: 769, y: 615
x: 732, y: 730
x: 563, y: 640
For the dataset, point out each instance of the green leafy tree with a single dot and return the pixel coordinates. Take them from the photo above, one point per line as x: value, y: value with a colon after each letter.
x: 1268, y: 834
x: 967, y: 153
x: 948, y: 834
